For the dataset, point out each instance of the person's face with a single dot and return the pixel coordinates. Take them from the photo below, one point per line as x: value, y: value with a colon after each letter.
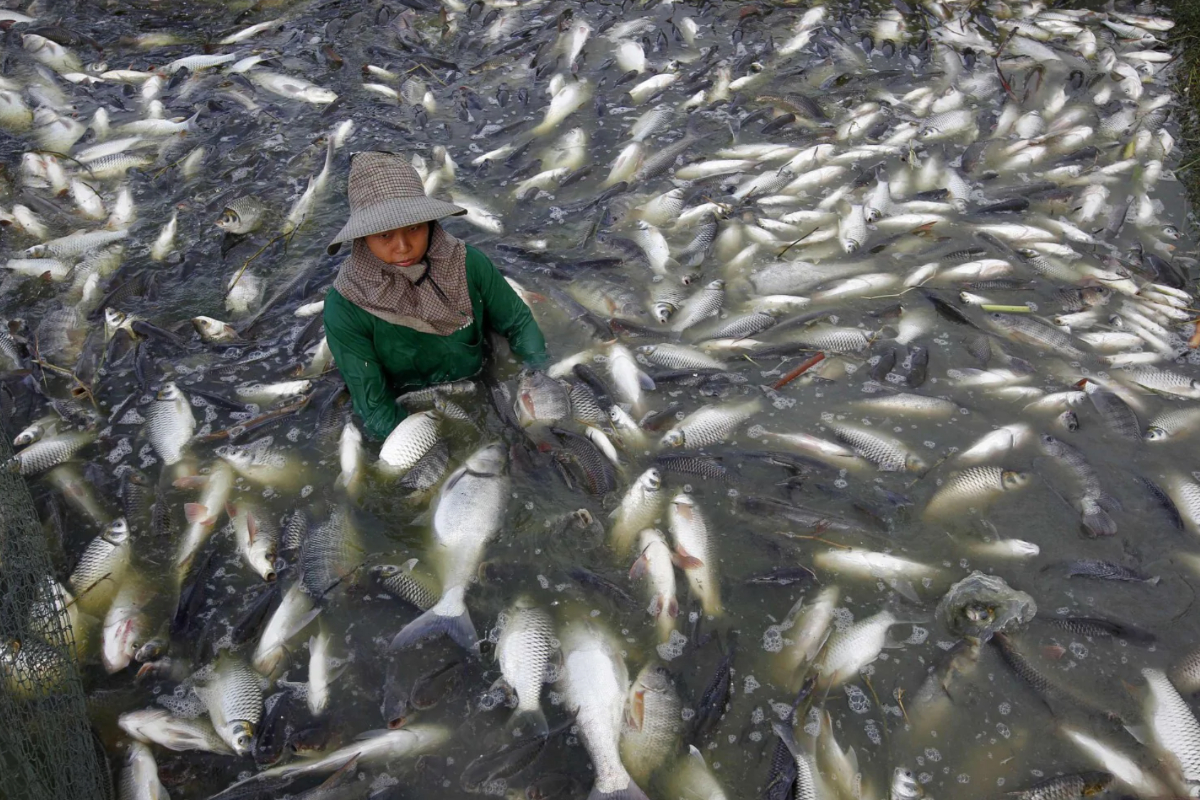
x: 401, y: 247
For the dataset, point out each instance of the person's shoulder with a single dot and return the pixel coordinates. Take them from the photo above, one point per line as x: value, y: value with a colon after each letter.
x: 477, y: 259
x: 341, y: 311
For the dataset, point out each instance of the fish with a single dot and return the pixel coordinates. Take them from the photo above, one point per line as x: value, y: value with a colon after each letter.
x: 1093, y: 503
x: 102, y: 565
x: 693, y: 551
x: 887, y: 453
x: 170, y: 423
x: 1175, y: 729
x: 654, y: 564
x: 973, y: 488
x: 710, y: 425
x: 523, y: 652
x: 203, y: 515
x: 1107, y: 570
x: 638, y: 509
x: 1065, y: 787
x: 257, y: 538
x: 243, y: 215
x: 469, y: 512
x: 408, y: 442
x: 850, y: 649
x: 139, y: 775
x: 158, y: 726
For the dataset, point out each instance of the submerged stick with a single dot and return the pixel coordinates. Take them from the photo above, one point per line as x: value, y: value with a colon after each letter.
x: 798, y: 371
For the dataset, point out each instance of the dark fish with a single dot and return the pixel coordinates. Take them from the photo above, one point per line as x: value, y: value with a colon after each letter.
x: 808, y: 518
x: 1163, y: 500
x: 716, y: 695
x: 193, y: 597
x: 295, y: 532
x: 590, y: 580
x: 1106, y: 571
x: 915, y: 366
x: 271, y: 736
x: 694, y: 464
x: 394, y: 707
x: 782, y: 775
x: 550, y: 787
x: 1013, y: 204
x: 431, y: 689
x: 249, y: 625
x: 1115, y: 412
x: 599, y: 474
x: 945, y: 310
x: 504, y: 763
x: 1096, y: 626
x: 781, y: 576
x: 1046, y: 689
x: 883, y: 365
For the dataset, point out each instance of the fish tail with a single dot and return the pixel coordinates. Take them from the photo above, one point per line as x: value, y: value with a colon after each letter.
x: 1098, y: 522
x: 528, y: 722
x: 449, y: 617
x: 630, y: 792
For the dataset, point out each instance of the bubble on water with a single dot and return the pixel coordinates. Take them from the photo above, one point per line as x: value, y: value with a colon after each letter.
x: 383, y: 781
x: 757, y: 716
x: 131, y: 417
x: 687, y: 713
x: 306, y: 491
x: 932, y: 754
x: 672, y: 648
x: 857, y: 700
x: 781, y: 710
x: 924, y: 777
x: 496, y: 787
x: 773, y: 639
x: 780, y: 402
x: 964, y: 777
x: 755, y: 736
x: 1078, y: 650
x: 595, y: 612
x: 750, y: 684
x: 491, y: 700
x: 543, y: 581
x: 1005, y: 708
x: 122, y: 449
x: 929, y: 444
x: 873, y: 732
x: 183, y: 703
x: 842, y: 618
x: 918, y: 636
x: 1003, y: 730
x: 841, y: 483
x: 812, y: 723
x: 555, y: 698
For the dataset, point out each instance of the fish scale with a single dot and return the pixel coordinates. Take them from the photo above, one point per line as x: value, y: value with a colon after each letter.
x: 1175, y: 727
x: 710, y: 425
x: 523, y: 651
x: 328, y: 554
x: 744, y: 326
x: 1172, y: 422
x: 234, y: 698
x: 675, y: 356
x: 402, y: 583
x: 973, y: 486
x: 700, y: 306
x: 410, y: 440
x: 170, y: 423
x: 888, y: 454
x: 1065, y: 787
x: 42, y: 455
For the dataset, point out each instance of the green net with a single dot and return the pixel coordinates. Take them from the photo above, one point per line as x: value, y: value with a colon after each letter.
x: 46, y: 746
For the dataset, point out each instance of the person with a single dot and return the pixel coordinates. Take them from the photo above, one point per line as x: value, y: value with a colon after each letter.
x: 409, y: 308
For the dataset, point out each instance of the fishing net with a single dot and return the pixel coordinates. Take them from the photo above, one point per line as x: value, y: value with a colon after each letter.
x: 46, y: 745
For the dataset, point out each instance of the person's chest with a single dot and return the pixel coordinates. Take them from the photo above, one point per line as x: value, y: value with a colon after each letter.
x: 411, y: 357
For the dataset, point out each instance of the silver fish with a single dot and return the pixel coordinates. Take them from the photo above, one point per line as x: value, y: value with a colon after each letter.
x: 469, y: 513
x: 523, y: 651
x: 234, y: 699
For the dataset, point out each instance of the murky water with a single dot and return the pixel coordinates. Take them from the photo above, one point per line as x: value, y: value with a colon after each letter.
x: 995, y: 734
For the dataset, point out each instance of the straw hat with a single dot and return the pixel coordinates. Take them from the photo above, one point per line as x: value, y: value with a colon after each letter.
x: 386, y: 193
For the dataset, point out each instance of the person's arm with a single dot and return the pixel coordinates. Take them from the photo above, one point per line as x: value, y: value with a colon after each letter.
x: 508, y: 315
x: 355, y: 357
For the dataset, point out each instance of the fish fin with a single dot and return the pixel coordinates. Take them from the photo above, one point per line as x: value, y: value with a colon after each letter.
x: 673, y: 607
x: 1109, y: 503
x: 431, y: 625
x: 630, y: 792
x: 1155, y: 580
x: 646, y: 382
x: 684, y: 560
x: 639, y: 568
x: 656, y: 605
x: 785, y: 734
x: 302, y: 623
x: 345, y: 774
x: 696, y: 755
x: 190, y: 481
x: 637, y: 710
x: 372, y: 734
x: 904, y: 588
x: 1098, y: 522
x: 251, y: 526
x: 231, y: 509
x: 528, y: 723
x: 194, y: 512
x: 1142, y: 733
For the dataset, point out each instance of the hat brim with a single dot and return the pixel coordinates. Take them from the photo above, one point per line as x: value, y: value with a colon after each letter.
x: 391, y: 214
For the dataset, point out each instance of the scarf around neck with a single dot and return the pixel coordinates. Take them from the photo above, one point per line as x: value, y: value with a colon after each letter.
x: 430, y: 296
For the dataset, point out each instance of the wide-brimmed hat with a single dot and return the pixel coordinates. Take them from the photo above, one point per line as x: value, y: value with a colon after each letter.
x: 386, y: 193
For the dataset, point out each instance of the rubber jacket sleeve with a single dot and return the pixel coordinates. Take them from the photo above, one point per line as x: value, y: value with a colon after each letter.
x: 354, y: 353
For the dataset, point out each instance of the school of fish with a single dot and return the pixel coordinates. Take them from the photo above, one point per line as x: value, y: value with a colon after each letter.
x: 776, y: 248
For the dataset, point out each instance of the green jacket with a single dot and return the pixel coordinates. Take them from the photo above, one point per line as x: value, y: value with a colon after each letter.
x: 380, y: 360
